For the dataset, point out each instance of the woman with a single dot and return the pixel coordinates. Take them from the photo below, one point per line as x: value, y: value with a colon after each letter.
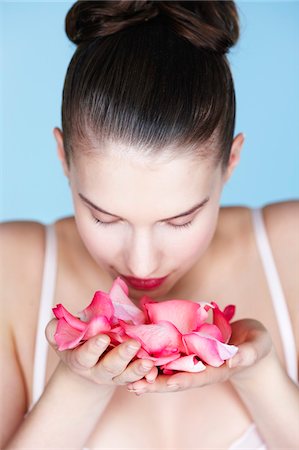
x: 147, y: 144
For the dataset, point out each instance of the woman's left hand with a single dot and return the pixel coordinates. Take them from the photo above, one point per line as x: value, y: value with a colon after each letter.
x: 254, y: 343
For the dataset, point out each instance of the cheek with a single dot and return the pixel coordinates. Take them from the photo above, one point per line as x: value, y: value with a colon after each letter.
x: 101, y: 247
x: 194, y: 241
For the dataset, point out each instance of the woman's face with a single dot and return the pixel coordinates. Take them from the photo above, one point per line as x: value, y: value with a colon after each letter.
x: 160, y: 215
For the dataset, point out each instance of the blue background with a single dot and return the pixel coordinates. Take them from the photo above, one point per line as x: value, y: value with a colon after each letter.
x: 35, y: 53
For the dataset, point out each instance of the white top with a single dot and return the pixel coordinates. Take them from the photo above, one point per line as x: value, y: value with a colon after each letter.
x: 251, y: 439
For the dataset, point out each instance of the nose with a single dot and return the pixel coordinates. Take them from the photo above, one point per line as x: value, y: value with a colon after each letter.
x: 143, y: 257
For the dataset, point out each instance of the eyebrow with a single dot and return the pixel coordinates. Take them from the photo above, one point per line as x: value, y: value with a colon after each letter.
x: 186, y: 213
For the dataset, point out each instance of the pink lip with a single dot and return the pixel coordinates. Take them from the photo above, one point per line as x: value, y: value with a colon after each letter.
x: 140, y: 284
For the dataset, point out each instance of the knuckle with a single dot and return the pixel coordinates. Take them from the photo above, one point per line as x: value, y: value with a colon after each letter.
x: 123, y: 357
x: 108, y: 368
x: 138, y: 371
x: 125, y: 353
x: 93, y: 348
x: 80, y: 360
x: 141, y: 370
x: 119, y: 381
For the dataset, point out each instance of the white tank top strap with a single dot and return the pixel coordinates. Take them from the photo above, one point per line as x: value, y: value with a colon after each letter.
x: 45, y: 312
x: 277, y: 294
x: 251, y: 439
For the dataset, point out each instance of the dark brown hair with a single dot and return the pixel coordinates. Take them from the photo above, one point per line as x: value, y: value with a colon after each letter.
x: 151, y: 74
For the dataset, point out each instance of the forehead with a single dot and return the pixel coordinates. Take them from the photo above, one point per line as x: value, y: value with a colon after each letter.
x: 120, y: 179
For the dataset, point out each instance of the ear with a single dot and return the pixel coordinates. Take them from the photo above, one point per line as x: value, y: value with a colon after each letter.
x: 58, y: 135
x: 235, y: 153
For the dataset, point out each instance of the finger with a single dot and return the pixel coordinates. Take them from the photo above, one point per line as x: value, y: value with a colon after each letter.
x: 182, y: 380
x: 116, y: 361
x: 50, y: 332
x: 257, y: 344
x: 159, y: 386
x: 135, y: 371
x: 87, y: 355
x: 152, y: 375
x: 83, y: 356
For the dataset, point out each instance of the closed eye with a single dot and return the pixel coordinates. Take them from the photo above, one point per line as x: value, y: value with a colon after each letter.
x: 100, y: 222
x: 184, y: 225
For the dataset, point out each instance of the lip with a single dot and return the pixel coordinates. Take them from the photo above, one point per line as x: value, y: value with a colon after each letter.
x: 148, y: 284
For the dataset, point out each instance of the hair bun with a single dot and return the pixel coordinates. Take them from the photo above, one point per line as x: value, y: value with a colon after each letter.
x: 87, y: 20
x: 210, y: 25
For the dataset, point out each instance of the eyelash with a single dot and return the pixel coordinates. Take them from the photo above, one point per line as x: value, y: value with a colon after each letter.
x: 106, y: 224
x: 99, y: 222
x: 184, y: 225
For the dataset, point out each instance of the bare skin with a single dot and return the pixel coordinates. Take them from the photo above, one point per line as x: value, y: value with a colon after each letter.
x: 97, y: 394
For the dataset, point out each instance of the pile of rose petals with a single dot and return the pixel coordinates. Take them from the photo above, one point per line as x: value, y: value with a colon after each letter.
x: 174, y: 334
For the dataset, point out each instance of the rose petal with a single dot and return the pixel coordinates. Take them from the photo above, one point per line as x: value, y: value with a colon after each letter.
x: 158, y: 361
x: 124, y: 308
x: 97, y: 325
x: 60, y: 312
x: 209, y: 349
x: 202, y: 314
x: 181, y: 313
x: 66, y: 336
x: 229, y: 312
x: 118, y: 335
x: 100, y: 305
x: 210, y: 330
x: 160, y: 339
x: 142, y: 302
x: 190, y: 363
x: 221, y: 322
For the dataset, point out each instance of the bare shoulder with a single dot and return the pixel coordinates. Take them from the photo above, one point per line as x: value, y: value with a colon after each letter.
x: 22, y: 246
x: 282, y: 225
x: 20, y: 239
x: 282, y: 220
x: 22, y: 253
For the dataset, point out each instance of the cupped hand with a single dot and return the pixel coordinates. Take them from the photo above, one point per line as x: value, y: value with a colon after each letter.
x: 254, y: 343
x: 91, y: 360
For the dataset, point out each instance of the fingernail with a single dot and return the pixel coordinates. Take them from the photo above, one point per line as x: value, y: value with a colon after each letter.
x: 137, y: 391
x: 172, y: 387
x: 132, y: 348
x: 146, y: 365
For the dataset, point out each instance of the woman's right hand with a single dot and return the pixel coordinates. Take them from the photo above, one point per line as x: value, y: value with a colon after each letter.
x: 113, y: 368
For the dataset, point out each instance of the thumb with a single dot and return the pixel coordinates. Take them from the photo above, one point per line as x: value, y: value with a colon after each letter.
x: 50, y: 332
x: 256, y: 345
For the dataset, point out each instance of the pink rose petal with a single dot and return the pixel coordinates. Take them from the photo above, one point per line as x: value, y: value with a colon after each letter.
x: 100, y: 305
x: 97, y: 325
x: 221, y: 322
x: 190, y: 363
x: 160, y: 339
x: 202, y: 313
x: 210, y: 330
x: 158, y: 361
x: 66, y: 336
x: 60, y: 312
x: 142, y: 302
x: 124, y: 308
x: 181, y: 313
x: 209, y: 349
